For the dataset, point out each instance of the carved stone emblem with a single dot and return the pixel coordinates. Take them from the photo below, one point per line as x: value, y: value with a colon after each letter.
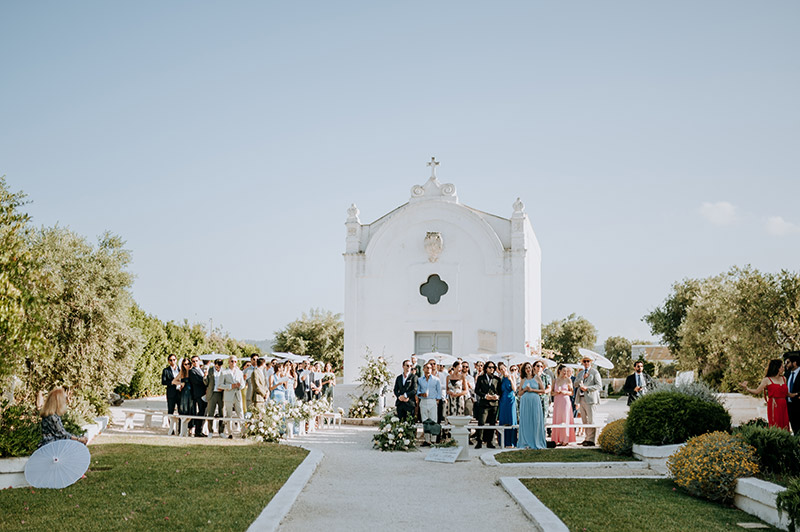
x: 433, y: 245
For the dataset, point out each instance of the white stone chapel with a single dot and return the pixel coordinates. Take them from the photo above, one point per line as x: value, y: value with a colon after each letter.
x: 437, y: 275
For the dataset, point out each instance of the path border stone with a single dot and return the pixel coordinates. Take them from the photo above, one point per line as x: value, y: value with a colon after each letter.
x: 271, y: 516
x: 543, y: 519
x: 489, y: 459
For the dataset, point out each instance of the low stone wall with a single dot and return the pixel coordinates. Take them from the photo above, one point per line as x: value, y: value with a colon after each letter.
x: 655, y: 455
x: 757, y: 498
x: 12, y: 470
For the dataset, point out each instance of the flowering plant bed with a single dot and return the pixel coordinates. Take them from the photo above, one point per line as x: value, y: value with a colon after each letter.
x: 394, y: 434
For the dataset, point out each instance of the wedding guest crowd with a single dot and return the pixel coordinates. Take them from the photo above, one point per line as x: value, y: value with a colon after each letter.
x: 220, y: 388
x: 499, y: 394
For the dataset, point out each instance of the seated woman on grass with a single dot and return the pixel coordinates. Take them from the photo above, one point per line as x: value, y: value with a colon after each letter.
x: 52, y: 428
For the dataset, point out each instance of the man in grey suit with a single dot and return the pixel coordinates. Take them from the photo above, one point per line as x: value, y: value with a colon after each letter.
x: 213, y: 397
x: 587, y: 395
x: 257, y: 389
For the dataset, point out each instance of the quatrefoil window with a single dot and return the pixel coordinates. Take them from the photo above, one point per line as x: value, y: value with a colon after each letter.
x: 433, y: 289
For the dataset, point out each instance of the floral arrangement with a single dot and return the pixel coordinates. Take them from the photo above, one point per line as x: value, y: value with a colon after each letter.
x: 363, y: 406
x: 374, y: 373
x: 709, y: 464
x: 613, y: 439
x: 395, y: 435
x: 267, y: 424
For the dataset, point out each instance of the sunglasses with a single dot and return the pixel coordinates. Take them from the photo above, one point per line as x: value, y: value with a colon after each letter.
x: 490, y: 367
x: 187, y: 363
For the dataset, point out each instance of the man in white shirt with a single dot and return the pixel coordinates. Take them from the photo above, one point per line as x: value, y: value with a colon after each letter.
x: 429, y: 391
x: 231, y: 382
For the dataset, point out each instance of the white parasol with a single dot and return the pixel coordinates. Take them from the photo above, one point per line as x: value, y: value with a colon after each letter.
x: 476, y: 357
x: 442, y: 359
x: 57, y: 464
x: 289, y: 356
x: 599, y: 360
x: 213, y: 356
x: 510, y: 359
x: 546, y: 361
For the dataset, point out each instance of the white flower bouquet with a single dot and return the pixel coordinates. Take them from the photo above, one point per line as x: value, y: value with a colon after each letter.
x: 394, y: 434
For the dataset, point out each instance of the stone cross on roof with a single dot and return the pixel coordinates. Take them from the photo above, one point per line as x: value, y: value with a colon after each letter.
x: 433, y: 164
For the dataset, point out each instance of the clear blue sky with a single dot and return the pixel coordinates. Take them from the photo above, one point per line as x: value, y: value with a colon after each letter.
x: 650, y: 141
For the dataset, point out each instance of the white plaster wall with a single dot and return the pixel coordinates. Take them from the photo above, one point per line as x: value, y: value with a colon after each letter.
x: 490, y: 288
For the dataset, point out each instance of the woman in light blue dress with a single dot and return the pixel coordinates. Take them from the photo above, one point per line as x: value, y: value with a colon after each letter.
x: 531, y: 417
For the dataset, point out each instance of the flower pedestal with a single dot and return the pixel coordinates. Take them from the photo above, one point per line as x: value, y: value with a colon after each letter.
x: 461, y: 435
x: 289, y: 428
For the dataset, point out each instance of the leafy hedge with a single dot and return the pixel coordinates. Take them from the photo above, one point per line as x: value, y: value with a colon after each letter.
x: 21, y: 429
x: 777, y: 450
x: 668, y: 417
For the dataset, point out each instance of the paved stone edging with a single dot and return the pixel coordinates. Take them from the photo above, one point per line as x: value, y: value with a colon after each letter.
x: 543, y: 519
x: 490, y: 460
x: 271, y: 516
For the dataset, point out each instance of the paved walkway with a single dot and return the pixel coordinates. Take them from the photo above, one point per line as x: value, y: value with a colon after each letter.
x: 359, y: 488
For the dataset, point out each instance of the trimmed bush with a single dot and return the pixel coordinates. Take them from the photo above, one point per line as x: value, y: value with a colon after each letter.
x: 709, y: 464
x: 777, y: 450
x: 757, y: 422
x: 669, y: 417
x: 614, y: 439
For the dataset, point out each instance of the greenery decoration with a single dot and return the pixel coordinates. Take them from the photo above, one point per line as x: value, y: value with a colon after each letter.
x: 669, y: 417
x: 709, y: 464
x: 394, y: 434
x: 374, y: 373
x: 614, y: 440
x: 363, y: 406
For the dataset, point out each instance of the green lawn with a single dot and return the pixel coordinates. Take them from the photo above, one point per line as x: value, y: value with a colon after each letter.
x: 559, y: 455
x: 633, y: 505
x: 177, y: 486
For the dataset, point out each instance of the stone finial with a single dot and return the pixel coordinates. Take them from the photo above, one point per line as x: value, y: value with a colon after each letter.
x: 352, y: 213
x: 518, y: 206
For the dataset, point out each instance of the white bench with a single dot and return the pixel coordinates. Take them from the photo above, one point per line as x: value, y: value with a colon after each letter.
x: 500, y: 429
x: 148, y: 414
x: 330, y: 419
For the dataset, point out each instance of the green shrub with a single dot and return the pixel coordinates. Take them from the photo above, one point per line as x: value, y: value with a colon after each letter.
x: 777, y: 450
x: 21, y: 429
x: 709, y: 465
x: 697, y: 389
x: 789, y: 501
x: 395, y: 434
x: 669, y: 417
x: 614, y: 439
x: 757, y: 422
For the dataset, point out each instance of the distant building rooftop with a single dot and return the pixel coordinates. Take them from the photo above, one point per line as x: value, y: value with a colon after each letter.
x: 652, y: 353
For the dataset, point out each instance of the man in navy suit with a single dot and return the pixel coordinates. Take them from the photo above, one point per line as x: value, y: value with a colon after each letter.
x: 169, y: 373
x: 792, y: 374
x: 198, y: 389
x: 405, y: 389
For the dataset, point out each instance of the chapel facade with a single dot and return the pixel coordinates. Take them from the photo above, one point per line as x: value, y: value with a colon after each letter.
x: 437, y: 275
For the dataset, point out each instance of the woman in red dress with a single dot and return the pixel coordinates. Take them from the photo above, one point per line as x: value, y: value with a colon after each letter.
x: 777, y: 392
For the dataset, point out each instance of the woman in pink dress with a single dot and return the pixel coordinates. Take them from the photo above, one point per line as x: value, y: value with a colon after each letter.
x: 562, y: 407
x: 777, y: 392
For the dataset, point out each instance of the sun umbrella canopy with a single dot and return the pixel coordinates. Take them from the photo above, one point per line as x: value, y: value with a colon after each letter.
x: 476, y: 357
x: 289, y: 356
x: 443, y: 359
x: 510, y: 359
x: 213, y: 356
x: 598, y: 359
x: 547, y: 362
x: 57, y: 464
